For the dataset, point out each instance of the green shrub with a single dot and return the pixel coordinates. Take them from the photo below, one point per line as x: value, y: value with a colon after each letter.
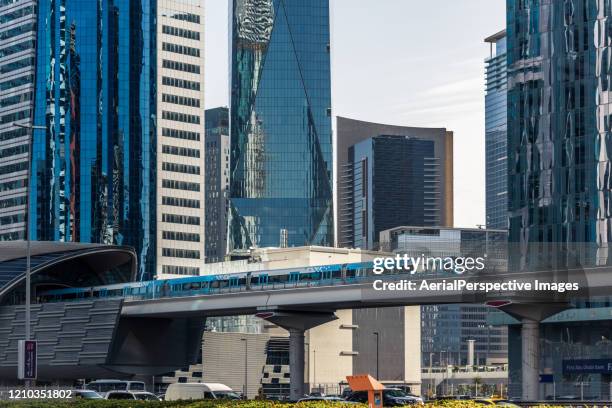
x: 213, y: 404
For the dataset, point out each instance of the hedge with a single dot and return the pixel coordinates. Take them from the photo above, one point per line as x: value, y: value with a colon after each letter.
x: 211, y: 404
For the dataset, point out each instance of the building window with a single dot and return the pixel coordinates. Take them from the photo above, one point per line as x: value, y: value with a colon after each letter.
x: 181, y: 236
x: 181, y: 100
x: 12, y: 117
x: 14, y: 15
x: 180, y: 168
x: 182, y: 16
x: 13, y: 168
x: 180, y: 202
x: 180, y: 270
x: 181, y: 66
x: 16, y: 99
x: 15, y: 82
x: 180, y: 151
x: 180, y: 185
x: 181, y: 134
x: 15, y: 65
x: 181, y: 49
x: 180, y: 219
x: 181, y: 117
x: 180, y: 253
x: 13, y: 202
x: 15, y: 48
x: 181, y: 32
x: 181, y: 83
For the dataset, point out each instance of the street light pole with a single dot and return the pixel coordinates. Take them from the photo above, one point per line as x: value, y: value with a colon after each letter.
x: 377, y: 355
x: 28, y: 283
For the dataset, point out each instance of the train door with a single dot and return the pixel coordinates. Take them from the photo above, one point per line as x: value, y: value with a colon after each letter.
x: 234, y: 282
x: 294, y: 277
x: 326, y: 276
x: 263, y: 279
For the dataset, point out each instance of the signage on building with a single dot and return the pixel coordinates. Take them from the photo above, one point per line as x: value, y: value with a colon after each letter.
x: 596, y: 366
x: 26, y: 359
x: 547, y: 378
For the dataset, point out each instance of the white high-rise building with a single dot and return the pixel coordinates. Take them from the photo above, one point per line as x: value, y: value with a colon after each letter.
x: 180, y: 127
x: 17, y: 58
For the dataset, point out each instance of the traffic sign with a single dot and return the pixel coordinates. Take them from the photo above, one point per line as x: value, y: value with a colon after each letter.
x: 26, y: 360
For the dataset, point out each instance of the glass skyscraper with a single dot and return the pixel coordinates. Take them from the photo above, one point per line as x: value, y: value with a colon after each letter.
x: 93, y: 168
x: 280, y: 124
x: 560, y: 184
x: 496, y: 146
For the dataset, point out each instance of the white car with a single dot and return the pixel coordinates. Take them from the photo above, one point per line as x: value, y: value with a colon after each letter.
x: 199, y: 391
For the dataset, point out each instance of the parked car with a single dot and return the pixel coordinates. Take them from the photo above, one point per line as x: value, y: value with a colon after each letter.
x: 198, y: 391
x: 104, y: 386
x: 120, y: 395
x: 146, y: 396
x: 86, y: 394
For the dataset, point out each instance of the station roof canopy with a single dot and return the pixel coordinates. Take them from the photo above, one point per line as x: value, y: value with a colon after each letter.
x: 68, y: 264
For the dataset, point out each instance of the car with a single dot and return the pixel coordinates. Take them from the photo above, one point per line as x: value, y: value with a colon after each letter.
x: 104, y: 386
x: 198, y: 391
x: 120, y: 395
x: 86, y: 394
x: 391, y: 398
x: 146, y: 396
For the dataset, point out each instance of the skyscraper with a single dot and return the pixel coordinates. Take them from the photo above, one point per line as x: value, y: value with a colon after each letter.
x: 114, y: 91
x: 180, y: 119
x: 217, y: 146
x: 93, y: 169
x: 280, y: 125
x: 496, y: 145
x: 390, y: 181
x: 17, y: 52
x: 559, y: 176
x: 405, y: 158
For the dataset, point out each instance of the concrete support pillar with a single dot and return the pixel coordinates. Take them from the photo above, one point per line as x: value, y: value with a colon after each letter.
x: 530, y: 338
x: 470, y: 358
x: 296, y: 363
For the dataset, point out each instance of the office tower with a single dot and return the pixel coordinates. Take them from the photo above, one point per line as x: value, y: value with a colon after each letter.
x: 447, y: 329
x: 496, y: 146
x: 180, y: 119
x: 217, y: 147
x: 391, y: 176
x: 559, y: 177
x: 17, y: 51
x: 117, y: 108
x: 93, y: 168
x: 280, y: 124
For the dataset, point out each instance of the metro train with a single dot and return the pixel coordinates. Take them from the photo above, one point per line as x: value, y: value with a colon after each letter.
x: 208, y: 284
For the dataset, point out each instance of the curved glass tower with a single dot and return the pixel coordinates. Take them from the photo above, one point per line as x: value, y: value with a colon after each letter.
x: 93, y: 169
x: 280, y: 126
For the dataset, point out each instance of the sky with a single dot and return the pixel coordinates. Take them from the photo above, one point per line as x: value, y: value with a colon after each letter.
x: 401, y: 62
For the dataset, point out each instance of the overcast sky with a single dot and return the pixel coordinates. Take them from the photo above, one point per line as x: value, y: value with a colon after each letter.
x: 402, y: 62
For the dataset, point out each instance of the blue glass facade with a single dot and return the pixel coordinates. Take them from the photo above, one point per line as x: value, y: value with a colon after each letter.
x: 560, y: 184
x: 280, y: 125
x: 496, y: 145
x: 94, y: 166
x: 558, y: 122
